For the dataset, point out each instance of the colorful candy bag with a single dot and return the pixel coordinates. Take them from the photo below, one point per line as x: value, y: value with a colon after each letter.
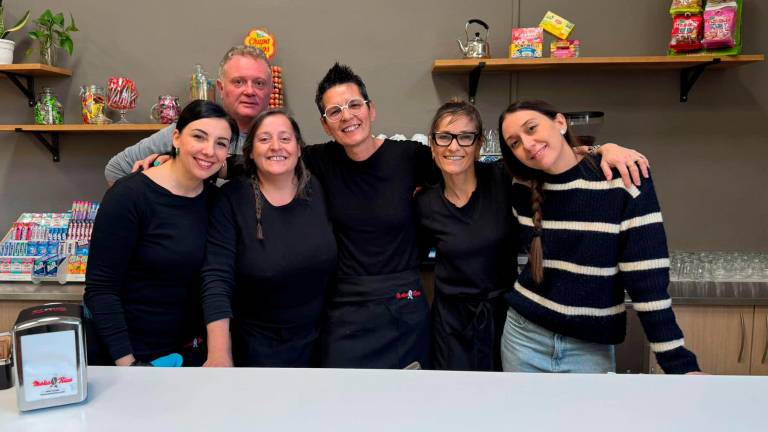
x: 682, y: 7
x: 719, y: 26
x: 686, y: 33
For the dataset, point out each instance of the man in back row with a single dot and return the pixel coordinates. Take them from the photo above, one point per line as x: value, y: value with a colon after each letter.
x: 244, y: 83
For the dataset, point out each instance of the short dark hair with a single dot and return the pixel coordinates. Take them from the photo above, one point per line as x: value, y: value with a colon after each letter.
x: 202, y: 109
x: 338, y: 74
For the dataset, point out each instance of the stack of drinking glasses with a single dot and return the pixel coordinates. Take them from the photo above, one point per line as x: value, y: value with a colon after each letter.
x: 718, y: 266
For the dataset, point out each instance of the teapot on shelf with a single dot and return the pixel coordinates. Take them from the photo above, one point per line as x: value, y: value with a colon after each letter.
x: 477, y: 47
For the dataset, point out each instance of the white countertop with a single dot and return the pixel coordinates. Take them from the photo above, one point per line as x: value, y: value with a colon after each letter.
x: 253, y: 399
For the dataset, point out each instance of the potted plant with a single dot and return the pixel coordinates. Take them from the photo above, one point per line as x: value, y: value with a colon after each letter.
x: 7, y: 46
x: 52, y: 33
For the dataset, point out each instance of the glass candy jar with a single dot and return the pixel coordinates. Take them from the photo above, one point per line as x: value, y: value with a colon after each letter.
x: 48, y: 109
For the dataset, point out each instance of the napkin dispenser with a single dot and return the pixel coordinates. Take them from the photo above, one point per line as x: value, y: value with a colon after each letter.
x: 49, y: 356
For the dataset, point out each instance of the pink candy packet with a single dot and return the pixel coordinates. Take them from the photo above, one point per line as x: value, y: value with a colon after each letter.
x: 719, y: 26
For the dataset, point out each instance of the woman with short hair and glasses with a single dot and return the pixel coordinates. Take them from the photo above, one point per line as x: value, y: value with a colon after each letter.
x: 468, y: 218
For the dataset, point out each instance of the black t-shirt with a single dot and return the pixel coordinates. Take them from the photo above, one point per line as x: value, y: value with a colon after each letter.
x: 476, y: 243
x: 370, y: 203
x: 142, y: 283
x: 280, y: 281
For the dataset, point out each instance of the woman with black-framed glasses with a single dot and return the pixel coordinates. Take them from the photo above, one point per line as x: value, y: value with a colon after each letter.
x: 468, y: 217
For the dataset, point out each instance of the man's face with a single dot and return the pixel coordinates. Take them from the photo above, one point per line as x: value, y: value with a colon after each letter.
x: 245, y: 88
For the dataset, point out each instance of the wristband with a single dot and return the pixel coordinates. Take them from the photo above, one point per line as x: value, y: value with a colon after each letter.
x: 593, y: 149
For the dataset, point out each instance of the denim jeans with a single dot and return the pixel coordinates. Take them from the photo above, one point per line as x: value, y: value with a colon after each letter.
x: 528, y: 347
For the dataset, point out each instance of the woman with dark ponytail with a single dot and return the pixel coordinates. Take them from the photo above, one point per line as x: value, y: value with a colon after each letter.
x: 270, y: 255
x: 588, y: 240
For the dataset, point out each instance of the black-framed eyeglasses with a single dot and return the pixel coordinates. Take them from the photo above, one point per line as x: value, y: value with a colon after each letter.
x: 464, y: 139
x: 354, y: 106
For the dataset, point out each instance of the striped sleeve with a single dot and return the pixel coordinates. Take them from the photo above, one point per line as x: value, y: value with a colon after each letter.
x: 644, y: 274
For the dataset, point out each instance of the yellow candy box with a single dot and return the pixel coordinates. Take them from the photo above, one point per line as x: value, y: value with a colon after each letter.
x: 556, y: 25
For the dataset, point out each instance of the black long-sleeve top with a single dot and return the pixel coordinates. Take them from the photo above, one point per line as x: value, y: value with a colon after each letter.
x: 280, y: 281
x: 142, y: 282
x: 370, y: 203
x: 476, y: 243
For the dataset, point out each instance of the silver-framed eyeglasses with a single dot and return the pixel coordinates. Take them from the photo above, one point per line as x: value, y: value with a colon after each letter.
x: 464, y: 139
x: 354, y: 106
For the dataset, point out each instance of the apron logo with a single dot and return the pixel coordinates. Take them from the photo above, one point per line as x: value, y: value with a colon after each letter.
x: 410, y: 295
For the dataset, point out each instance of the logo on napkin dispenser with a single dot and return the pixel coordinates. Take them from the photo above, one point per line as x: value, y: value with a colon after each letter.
x: 50, y: 356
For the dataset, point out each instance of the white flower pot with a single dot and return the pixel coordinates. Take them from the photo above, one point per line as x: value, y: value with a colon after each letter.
x: 6, y: 51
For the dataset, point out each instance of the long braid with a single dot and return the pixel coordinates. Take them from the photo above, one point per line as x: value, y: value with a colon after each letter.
x: 536, y: 250
x: 259, y: 206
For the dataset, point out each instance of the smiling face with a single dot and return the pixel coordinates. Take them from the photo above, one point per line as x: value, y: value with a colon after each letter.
x: 537, y: 141
x: 275, y: 148
x: 352, y: 129
x: 203, y: 146
x: 245, y: 87
x: 455, y: 159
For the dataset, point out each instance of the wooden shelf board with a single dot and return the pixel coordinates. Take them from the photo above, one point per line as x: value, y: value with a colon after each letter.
x: 84, y: 128
x: 592, y: 63
x: 35, y: 69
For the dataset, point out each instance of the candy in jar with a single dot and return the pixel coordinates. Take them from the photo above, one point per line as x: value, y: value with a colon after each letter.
x: 93, y: 101
x: 166, y: 110
x: 48, y: 109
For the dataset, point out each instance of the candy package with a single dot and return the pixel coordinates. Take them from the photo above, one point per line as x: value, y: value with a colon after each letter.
x: 564, y: 49
x: 526, y: 42
x: 682, y: 7
x: 719, y: 26
x: 686, y: 33
x: 556, y: 25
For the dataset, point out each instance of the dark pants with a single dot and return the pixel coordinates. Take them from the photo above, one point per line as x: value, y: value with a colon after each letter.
x: 263, y: 346
x: 377, y: 322
x: 466, y: 332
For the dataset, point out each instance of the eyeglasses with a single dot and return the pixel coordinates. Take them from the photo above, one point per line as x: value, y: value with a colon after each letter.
x: 444, y: 139
x: 354, y: 106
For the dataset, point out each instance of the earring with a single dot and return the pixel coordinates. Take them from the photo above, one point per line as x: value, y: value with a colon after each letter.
x: 175, y: 151
x: 562, y: 131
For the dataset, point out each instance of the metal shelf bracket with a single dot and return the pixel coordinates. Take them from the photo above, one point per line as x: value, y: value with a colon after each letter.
x: 688, y: 77
x: 52, y: 145
x: 474, y: 80
x: 28, y: 90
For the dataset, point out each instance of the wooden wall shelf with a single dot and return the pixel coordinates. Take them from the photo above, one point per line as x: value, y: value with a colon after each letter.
x: 690, y: 67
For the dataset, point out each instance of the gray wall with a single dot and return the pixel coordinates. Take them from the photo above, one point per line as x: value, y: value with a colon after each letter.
x: 708, y: 155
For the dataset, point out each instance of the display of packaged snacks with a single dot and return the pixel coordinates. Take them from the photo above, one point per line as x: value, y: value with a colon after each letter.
x: 564, y: 48
x: 686, y: 33
x: 37, y: 243
x: 682, y: 7
x: 720, y: 25
x: 556, y: 25
x: 526, y: 42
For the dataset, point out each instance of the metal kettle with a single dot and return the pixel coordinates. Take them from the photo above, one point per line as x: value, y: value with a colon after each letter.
x: 477, y: 47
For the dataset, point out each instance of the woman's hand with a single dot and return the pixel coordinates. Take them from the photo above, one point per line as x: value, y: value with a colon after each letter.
x: 125, y: 360
x: 628, y: 162
x: 219, y: 344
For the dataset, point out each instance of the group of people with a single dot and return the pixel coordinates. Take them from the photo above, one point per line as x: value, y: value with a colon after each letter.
x: 309, y: 255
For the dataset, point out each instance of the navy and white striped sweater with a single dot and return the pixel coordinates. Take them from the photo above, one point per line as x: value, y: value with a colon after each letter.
x: 600, y: 240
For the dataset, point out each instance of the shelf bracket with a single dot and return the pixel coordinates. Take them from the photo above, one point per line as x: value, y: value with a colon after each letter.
x: 28, y: 90
x: 52, y: 145
x: 474, y: 80
x: 688, y: 77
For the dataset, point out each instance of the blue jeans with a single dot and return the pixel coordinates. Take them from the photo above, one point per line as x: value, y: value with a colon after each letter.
x: 528, y: 347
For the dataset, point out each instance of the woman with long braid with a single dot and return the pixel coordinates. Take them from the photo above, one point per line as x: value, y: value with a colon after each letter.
x: 270, y: 255
x: 589, y: 240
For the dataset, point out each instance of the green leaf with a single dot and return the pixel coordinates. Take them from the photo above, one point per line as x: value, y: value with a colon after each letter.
x: 46, y: 18
x: 59, y: 19
x: 28, y: 51
x: 35, y: 35
x: 72, y: 27
x: 66, y: 43
x: 22, y: 22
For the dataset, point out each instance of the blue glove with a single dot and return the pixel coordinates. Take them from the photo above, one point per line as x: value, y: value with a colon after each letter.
x: 171, y: 360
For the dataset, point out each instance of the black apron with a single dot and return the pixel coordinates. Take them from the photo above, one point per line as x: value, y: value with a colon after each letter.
x: 277, y: 339
x: 466, y: 332
x: 377, y: 322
